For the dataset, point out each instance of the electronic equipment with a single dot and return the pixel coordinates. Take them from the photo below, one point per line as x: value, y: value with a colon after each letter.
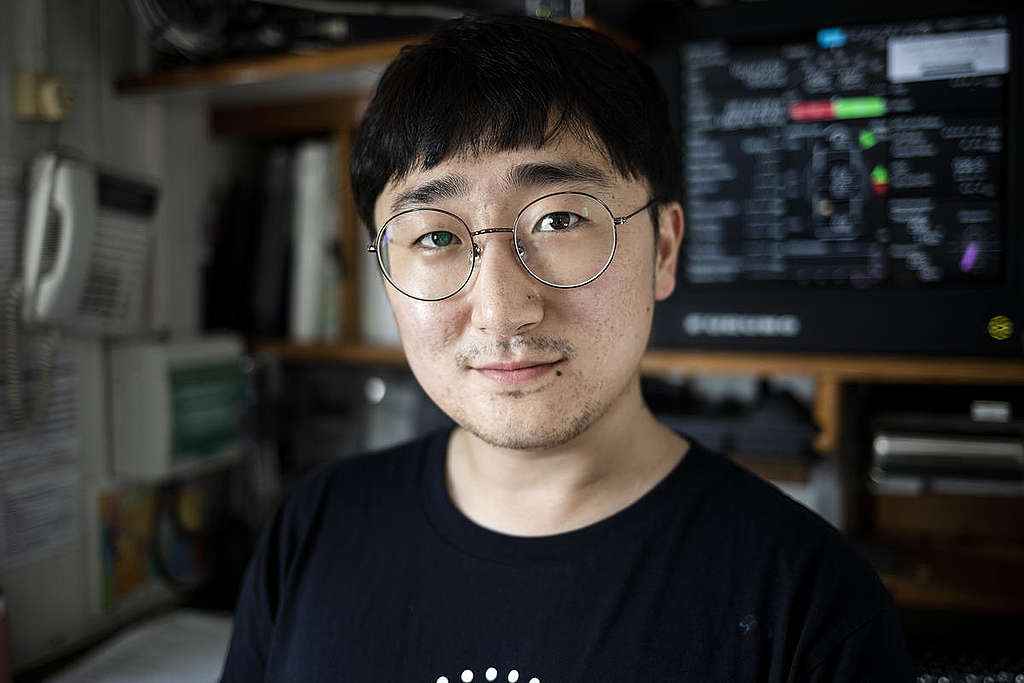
x: 176, y: 407
x: 944, y: 455
x: 970, y: 446
x: 337, y: 411
x: 964, y: 646
x: 947, y: 665
x: 851, y: 180
x: 197, y: 30
x: 769, y: 425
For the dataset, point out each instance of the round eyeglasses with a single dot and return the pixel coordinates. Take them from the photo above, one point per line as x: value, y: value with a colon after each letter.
x: 564, y: 240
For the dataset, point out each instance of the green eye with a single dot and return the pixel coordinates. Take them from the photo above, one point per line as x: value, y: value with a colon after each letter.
x: 437, y: 239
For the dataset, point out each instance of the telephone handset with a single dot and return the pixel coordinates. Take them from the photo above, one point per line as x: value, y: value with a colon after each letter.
x: 86, y: 248
x: 60, y: 224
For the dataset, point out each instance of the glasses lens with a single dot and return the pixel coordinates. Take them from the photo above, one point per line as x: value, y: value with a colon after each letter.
x: 426, y: 254
x: 566, y: 239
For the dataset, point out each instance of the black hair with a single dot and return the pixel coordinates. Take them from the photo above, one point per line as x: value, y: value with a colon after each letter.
x: 485, y: 84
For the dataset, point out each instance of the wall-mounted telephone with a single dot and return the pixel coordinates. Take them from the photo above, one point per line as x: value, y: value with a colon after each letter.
x: 86, y: 246
x: 86, y: 242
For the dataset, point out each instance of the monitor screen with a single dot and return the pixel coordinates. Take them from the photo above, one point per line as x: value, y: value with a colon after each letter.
x: 838, y: 159
x: 862, y: 157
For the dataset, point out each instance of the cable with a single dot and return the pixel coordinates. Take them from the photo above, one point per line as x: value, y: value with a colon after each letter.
x: 12, y: 352
x: 190, y: 39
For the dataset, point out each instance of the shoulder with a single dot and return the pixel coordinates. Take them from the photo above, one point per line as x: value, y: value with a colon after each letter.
x: 344, y: 493
x: 374, y: 475
x: 771, y: 527
x: 733, y: 497
x: 796, y: 561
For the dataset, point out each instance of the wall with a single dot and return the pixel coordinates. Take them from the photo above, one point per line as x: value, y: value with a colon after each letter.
x: 51, y: 600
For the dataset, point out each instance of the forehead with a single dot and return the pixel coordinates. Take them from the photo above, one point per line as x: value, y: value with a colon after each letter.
x: 564, y: 163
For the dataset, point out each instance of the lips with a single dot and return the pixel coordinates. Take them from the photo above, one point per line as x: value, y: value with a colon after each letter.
x: 515, y: 373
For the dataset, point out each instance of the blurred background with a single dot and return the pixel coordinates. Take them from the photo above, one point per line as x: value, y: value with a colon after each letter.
x: 191, y: 321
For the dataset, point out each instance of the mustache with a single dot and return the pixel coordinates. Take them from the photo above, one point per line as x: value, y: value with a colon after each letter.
x: 513, y: 347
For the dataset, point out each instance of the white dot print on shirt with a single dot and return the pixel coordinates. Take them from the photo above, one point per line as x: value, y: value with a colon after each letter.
x: 491, y: 675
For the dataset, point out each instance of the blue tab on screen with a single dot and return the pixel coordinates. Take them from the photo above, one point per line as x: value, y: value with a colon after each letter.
x: 831, y: 37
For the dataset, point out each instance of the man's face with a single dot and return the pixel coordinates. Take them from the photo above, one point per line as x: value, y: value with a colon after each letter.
x: 516, y: 362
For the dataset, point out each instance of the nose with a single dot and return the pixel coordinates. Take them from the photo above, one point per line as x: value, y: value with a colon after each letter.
x: 506, y: 300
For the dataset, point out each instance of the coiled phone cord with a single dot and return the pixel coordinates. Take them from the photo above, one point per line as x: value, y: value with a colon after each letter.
x: 12, y: 354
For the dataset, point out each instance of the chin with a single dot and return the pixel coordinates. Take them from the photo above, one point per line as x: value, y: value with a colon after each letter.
x: 520, y: 432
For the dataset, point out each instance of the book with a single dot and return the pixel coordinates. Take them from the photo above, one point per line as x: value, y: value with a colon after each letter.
x: 314, y: 304
x: 269, y: 293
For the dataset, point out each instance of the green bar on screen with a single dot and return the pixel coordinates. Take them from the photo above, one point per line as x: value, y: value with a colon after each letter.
x: 859, y: 107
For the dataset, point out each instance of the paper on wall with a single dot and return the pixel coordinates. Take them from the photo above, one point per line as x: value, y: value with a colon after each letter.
x: 38, y: 514
x: 54, y: 440
x: 40, y: 483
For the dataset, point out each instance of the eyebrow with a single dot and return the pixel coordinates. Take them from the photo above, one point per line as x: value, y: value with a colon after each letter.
x: 537, y: 174
x: 523, y: 176
x: 431, y: 192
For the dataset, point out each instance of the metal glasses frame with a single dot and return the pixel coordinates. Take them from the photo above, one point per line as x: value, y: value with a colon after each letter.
x: 374, y: 248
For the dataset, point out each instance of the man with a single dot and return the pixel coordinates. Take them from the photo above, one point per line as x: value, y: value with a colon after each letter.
x: 522, y: 191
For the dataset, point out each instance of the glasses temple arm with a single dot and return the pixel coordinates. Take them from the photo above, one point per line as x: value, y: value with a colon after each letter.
x: 622, y: 219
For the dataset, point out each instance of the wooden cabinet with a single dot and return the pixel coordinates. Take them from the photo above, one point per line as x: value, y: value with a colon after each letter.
x: 331, y: 115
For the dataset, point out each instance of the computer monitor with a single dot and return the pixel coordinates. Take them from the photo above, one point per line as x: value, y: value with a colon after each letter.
x: 851, y: 181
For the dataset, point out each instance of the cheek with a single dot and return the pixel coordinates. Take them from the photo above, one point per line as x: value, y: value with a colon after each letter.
x: 615, y: 311
x: 424, y: 322
x: 429, y: 333
x: 420, y: 320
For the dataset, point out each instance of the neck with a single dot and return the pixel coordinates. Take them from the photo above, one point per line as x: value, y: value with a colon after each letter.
x: 615, y: 461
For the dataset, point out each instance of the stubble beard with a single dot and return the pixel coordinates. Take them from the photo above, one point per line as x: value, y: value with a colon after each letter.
x: 522, y: 435
x: 514, y: 422
x: 518, y: 429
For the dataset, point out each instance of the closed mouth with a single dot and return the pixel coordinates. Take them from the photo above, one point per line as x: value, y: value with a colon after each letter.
x: 515, y: 372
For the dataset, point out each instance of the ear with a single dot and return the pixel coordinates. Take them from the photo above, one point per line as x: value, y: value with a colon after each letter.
x: 666, y: 254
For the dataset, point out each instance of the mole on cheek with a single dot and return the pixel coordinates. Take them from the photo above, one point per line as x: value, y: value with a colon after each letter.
x: 558, y: 373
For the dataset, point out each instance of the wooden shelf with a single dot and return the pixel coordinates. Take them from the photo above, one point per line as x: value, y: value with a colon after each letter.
x: 829, y: 371
x: 933, y: 594
x: 332, y: 114
x: 263, y: 70
x: 356, y: 354
x: 954, y: 576
x: 279, y: 69
x: 841, y: 367
x: 361, y: 61
x: 658, y: 362
x: 992, y: 517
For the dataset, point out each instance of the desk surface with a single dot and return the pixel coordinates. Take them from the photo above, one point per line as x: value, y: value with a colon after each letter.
x: 183, y: 645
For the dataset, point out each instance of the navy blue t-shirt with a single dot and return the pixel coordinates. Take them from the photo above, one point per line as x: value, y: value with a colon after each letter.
x: 370, y: 573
